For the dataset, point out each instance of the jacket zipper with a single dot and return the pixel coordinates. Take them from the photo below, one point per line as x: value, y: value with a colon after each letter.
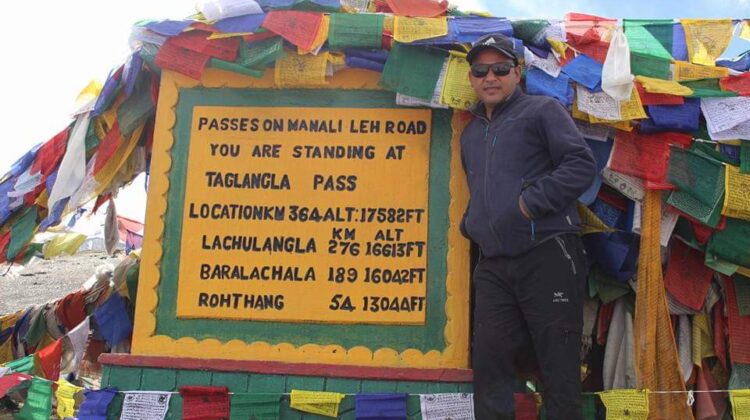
x: 489, y: 148
x: 567, y: 255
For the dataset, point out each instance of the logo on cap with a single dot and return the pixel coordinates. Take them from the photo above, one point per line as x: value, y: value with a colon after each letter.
x: 490, y: 41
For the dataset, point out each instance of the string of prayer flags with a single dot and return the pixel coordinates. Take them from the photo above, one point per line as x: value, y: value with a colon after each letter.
x: 64, y: 394
x: 145, y: 405
x: 526, y: 407
x: 348, y: 30
x: 410, y: 29
x: 707, y: 39
x: 23, y: 365
x: 323, y: 403
x: 456, y: 90
x: 585, y: 71
x: 737, y: 197
x: 38, y: 404
x: 254, y: 406
x: 412, y: 71
x: 740, y: 399
x: 684, y: 71
x: 96, y: 403
x: 298, y: 27
x: 447, y: 406
x: 666, y: 87
x: 8, y: 382
x: 48, y: 360
x: 204, y: 402
x: 380, y: 406
x: 113, y: 320
x: 418, y: 8
x: 626, y: 404
x: 301, y: 70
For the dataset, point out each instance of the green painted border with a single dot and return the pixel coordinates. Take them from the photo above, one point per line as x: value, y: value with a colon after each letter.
x: 422, y: 337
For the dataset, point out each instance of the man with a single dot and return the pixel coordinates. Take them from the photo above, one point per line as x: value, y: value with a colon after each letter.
x: 526, y: 164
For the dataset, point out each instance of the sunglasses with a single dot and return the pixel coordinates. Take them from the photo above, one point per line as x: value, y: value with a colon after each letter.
x: 498, y: 69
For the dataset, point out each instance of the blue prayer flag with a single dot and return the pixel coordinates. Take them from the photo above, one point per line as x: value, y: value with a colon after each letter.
x: 679, y: 45
x: 168, y: 27
x: 95, y: 404
x: 385, y: 406
x: 685, y: 117
x: 739, y: 63
x: 584, y: 70
x: 107, y: 94
x: 240, y: 24
x: 540, y: 83
x: 113, y: 320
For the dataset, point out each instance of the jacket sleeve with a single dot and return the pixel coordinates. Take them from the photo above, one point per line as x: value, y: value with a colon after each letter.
x: 573, y: 164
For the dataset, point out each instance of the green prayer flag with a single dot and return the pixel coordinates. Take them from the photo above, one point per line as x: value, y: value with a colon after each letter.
x: 732, y: 243
x: 21, y: 232
x: 700, y: 182
x: 608, y: 288
x: 234, y: 67
x: 38, y: 405
x: 137, y: 108
x: 707, y: 88
x: 745, y: 157
x: 412, y: 70
x: 348, y: 30
x: 148, y: 53
x: 530, y: 31
x: 22, y: 365
x: 588, y: 406
x: 260, y: 53
x: 92, y: 140
x: 650, y: 37
x: 37, y: 328
x: 254, y: 406
x: 649, y: 66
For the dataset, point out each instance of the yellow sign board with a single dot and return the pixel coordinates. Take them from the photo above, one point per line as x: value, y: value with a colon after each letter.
x: 314, y: 216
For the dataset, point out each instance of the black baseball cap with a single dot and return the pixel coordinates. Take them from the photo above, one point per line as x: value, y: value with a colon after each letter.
x: 497, y: 42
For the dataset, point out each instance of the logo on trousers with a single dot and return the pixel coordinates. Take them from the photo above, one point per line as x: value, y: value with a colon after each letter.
x: 559, y: 297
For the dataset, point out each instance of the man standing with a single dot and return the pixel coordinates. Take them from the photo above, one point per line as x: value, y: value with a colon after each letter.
x: 526, y: 164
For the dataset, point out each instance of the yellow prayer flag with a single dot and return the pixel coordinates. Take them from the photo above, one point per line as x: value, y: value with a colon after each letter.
x: 684, y: 71
x: 625, y: 404
x: 737, y: 197
x: 6, y: 352
x: 323, y: 403
x: 703, y: 345
x: 632, y: 109
x: 88, y: 93
x: 66, y: 243
x: 457, y: 91
x: 408, y: 29
x: 668, y: 87
x: 740, y: 399
x: 220, y: 35
x: 707, y: 39
x: 558, y: 46
x: 580, y: 115
x: 590, y: 222
x: 745, y: 30
x: 388, y: 23
x: 301, y: 70
x: 65, y: 398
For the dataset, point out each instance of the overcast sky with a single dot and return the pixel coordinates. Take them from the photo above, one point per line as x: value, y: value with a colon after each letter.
x: 53, y: 48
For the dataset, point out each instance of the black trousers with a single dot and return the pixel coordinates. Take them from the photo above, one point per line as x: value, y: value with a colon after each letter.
x: 528, y: 310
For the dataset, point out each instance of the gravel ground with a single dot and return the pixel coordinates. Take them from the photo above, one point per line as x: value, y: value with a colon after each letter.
x: 45, y: 280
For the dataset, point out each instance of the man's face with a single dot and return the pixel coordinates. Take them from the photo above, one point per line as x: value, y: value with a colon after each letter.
x: 493, y: 89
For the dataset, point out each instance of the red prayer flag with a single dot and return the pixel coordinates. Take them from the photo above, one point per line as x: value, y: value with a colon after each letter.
x: 687, y: 278
x: 418, y: 8
x: 49, y: 360
x: 8, y: 382
x: 197, y: 41
x: 107, y: 147
x: 299, y: 28
x: 658, y: 98
x: 602, y: 323
x: 708, y: 405
x: 205, y: 402
x: 645, y: 156
x: 739, y: 84
x: 71, y: 310
x: 181, y: 60
x: 720, y: 345
x: 50, y: 154
x: 259, y: 36
x: 585, y: 32
x: 525, y: 405
x: 739, y: 326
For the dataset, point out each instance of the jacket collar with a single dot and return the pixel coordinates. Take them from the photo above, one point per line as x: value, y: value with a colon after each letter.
x: 479, y: 110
